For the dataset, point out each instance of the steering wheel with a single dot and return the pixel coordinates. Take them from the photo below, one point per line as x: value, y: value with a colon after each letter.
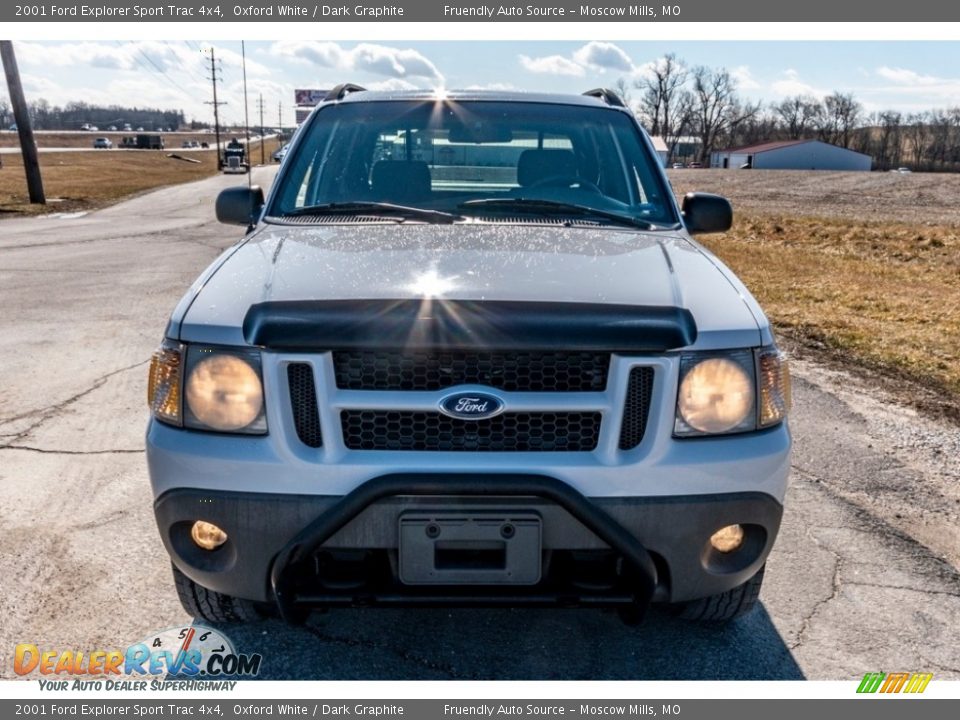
x: 566, y: 181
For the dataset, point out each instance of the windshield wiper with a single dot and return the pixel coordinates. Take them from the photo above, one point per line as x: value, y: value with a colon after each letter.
x: 535, y: 205
x: 401, y: 212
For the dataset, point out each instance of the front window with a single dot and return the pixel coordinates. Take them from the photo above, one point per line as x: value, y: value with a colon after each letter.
x: 472, y: 158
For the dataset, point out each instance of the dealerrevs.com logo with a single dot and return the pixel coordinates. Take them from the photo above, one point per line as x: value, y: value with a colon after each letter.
x: 195, y: 652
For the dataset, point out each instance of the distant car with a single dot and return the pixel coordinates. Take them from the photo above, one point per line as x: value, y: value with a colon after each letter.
x: 186, y: 144
x: 678, y: 166
x: 13, y: 128
x: 695, y: 166
x: 280, y: 154
x: 112, y: 128
x: 903, y: 170
x: 127, y: 127
x: 102, y: 144
x: 140, y: 129
x: 205, y: 145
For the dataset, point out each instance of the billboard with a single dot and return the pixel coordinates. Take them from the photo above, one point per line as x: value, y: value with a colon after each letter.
x: 308, y: 96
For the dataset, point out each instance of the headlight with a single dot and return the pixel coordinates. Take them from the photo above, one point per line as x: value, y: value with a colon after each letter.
x: 207, y: 388
x: 731, y: 392
x: 223, y: 391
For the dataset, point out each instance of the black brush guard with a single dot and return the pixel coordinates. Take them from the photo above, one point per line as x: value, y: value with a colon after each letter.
x: 309, y: 540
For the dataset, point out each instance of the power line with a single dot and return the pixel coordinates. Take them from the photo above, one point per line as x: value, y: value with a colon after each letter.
x: 154, y: 69
x: 164, y: 73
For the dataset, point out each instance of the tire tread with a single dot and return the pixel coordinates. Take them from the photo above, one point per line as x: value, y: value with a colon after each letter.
x: 209, y: 605
x: 725, y: 606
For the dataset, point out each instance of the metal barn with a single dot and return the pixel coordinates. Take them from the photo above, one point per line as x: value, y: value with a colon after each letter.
x: 791, y: 155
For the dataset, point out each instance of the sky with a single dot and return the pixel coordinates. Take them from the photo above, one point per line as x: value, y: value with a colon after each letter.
x: 904, y: 76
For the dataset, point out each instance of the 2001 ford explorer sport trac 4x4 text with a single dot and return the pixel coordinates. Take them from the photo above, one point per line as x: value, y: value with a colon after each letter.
x: 468, y: 354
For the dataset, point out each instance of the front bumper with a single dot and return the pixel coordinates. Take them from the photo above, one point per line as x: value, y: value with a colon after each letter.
x: 660, y: 544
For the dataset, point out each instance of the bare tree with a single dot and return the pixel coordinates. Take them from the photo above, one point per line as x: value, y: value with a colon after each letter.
x: 716, y: 107
x: 919, y: 135
x: 622, y: 88
x: 889, y: 145
x: 797, y: 114
x: 836, y: 118
x: 665, y: 104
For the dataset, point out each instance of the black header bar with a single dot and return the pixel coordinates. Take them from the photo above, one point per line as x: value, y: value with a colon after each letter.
x: 561, y: 11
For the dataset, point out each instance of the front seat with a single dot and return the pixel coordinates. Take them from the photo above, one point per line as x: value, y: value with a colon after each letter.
x: 400, y: 181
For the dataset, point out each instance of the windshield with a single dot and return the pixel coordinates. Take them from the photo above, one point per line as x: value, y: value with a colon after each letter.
x: 474, y: 158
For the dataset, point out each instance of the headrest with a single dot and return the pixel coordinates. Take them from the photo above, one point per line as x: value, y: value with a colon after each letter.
x: 536, y: 165
x: 399, y: 180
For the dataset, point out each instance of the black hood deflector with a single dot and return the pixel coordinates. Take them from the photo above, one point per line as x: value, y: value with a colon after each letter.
x: 426, y: 324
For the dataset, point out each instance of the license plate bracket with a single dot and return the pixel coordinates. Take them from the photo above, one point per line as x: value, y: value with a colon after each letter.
x: 470, y: 548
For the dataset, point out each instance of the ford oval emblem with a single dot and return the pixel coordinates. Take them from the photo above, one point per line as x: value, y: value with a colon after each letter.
x: 471, y: 406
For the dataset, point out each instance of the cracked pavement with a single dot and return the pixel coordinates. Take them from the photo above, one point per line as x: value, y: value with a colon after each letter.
x: 864, y: 576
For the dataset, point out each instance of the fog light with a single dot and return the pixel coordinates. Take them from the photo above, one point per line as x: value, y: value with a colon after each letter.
x: 207, y: 535
x: 727, y: 539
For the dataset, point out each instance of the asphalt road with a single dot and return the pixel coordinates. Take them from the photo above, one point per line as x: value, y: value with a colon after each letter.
x: 863, y: 578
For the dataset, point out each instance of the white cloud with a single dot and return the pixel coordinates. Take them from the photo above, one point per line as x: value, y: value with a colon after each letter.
x: 364, y: 58
x: 791, y: 84
x: 902, y: 76
x: 915, y: 91
x: 492, y: 86
x: 391, y: 84
x: 744, y: 78
x: 603, y: 56
x: 594, y: 56
x: 552, y: 65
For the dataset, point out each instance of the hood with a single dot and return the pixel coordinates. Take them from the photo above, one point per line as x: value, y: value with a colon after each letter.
x: 481, y: 261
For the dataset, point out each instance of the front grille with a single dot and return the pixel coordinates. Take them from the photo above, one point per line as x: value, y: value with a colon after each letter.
x: 509, y: 371
x: 636, y: 407
x: 303, y: 402
x: 431, y: 431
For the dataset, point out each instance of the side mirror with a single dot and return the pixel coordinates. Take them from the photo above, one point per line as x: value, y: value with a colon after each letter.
x: 239, y: 205
x: 706, y: 213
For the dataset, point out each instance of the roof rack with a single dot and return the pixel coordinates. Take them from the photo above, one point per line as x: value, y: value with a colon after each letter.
x: 341, y: 91
x: 607, y: 95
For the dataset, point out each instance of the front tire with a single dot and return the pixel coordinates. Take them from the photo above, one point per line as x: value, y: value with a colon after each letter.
x: 209, y: 605
x: 726, y: 606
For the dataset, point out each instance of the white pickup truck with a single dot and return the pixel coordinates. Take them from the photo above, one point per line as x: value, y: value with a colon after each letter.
x: 468, y: 353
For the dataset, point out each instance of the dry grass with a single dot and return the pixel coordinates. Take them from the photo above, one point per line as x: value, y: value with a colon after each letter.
x: 50, y: 139
x: 886, y: 295
x: 85, y: 180
x: 883, y: 293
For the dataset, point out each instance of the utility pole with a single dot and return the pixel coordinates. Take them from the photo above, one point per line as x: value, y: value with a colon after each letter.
x: 262, y: 141
x: 216, y: 107
x: 246, y: 114
x: 31, y: 161
x: 280, y: 118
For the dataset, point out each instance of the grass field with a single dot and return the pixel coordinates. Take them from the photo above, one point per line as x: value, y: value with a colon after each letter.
x: 861, y: 267
x: 51, y: 139
x: 86, y: 180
